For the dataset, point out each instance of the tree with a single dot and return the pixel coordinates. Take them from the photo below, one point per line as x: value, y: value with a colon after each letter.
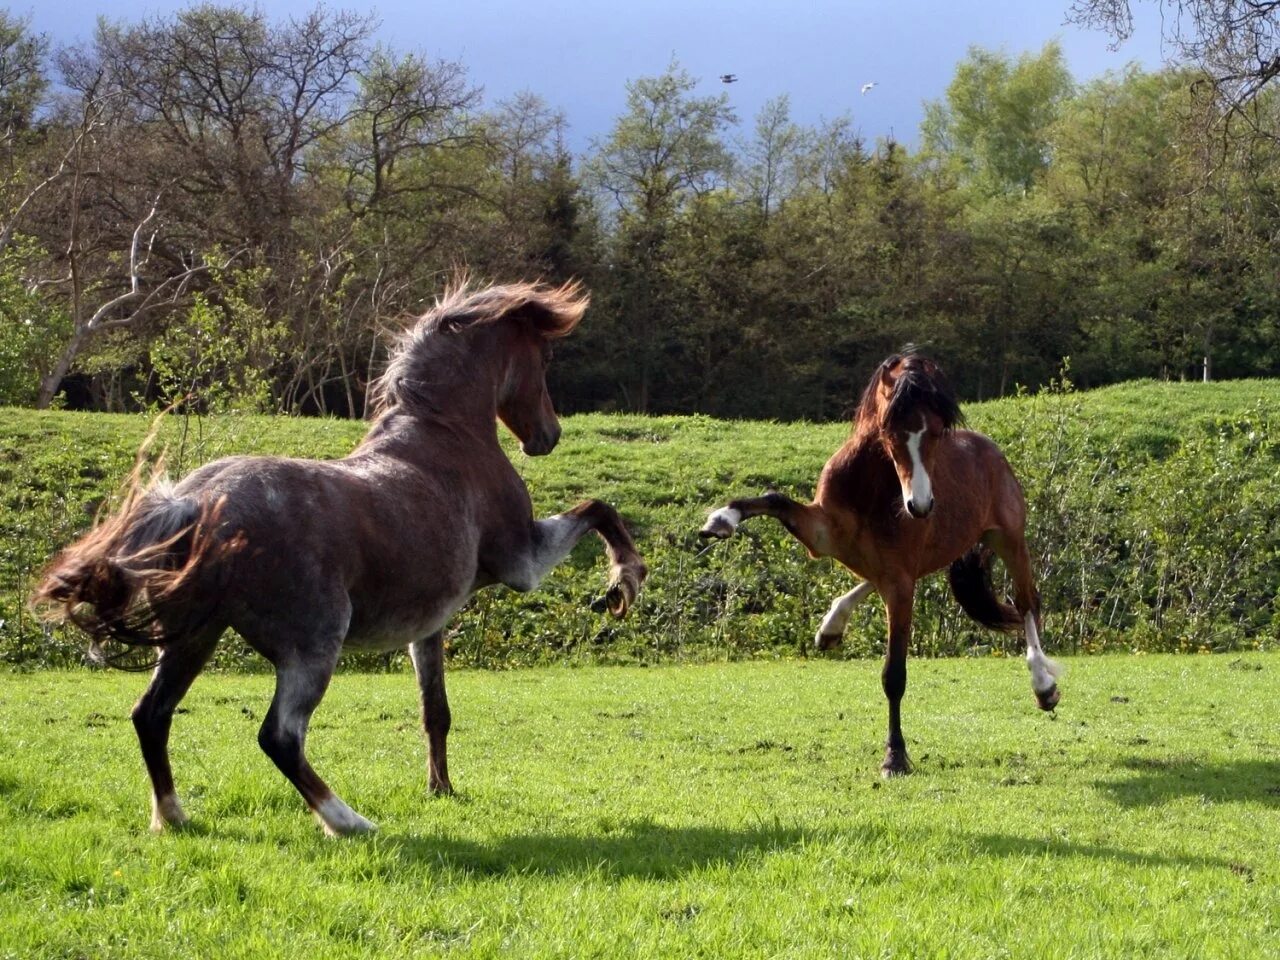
x: 769, y: 173
x: 663, y: 152
x: 23, y: 82
x: 1235, y: 42
x: 994, y: 123
x: 666, y: 147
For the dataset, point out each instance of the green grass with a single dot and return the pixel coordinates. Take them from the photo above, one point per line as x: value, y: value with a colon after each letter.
x: 1154, y: 524
x: 727, y: 810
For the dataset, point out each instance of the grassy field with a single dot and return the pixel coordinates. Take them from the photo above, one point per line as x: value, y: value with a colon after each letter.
x: 1154, y: 524
x: 728, y: 810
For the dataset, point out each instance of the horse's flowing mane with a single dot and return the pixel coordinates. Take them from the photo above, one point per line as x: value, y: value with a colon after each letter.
x: 552, y: 311
x: 920, y: 384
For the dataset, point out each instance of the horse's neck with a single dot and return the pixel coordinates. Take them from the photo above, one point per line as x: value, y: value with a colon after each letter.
x: 865, y: 451
x: 860, y: 476
x: 424, y: 436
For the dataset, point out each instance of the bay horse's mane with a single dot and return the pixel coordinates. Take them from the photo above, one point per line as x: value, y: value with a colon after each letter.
x: 552, y: 311
x: 920, y: 384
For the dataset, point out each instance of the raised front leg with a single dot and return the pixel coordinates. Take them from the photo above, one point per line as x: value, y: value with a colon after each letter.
x: 552, y: 540
x: 428, y: 663
x: 899, y: 602
x: 808, y: 523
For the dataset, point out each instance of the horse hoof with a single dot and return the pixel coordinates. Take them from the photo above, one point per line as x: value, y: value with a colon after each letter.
x: 716, y: 528
x: 622, y: 591
x: 354, y: 828
x: 828, y: 641
x: 160, y: 825
x: 441, y: 788
x: 617, y: 600
x: 721, y: 524
x: 1049, y: 698
x: 895, y: 765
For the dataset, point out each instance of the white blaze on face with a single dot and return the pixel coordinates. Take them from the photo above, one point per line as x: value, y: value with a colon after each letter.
x: 920, y: 490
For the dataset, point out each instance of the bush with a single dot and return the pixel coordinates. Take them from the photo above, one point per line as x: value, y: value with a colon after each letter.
x: 1152, y: 519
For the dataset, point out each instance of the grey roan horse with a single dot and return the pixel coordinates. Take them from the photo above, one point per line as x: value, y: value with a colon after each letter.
x: 376, y: 551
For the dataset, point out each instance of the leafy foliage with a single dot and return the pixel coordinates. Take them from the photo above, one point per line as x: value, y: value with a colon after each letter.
x: 283, y: 192
x: 1154, y: 525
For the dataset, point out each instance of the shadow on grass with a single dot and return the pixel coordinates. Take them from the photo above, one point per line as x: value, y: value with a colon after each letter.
x: 1160, y: 780
x: 634, y: 849
x: 650, y: 851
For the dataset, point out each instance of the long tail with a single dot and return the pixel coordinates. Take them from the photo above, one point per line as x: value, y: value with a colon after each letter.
x: 970, y: 578
x: 140, y: 577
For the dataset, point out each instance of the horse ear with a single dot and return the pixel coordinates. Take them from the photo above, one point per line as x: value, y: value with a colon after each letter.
x: 888, y: 382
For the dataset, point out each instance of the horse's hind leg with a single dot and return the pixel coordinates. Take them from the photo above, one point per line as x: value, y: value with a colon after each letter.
x: 428, y: 663
x: 180, y: 662
x: 1012, y: 550
x: 831, y: 632
x: 301, y: 680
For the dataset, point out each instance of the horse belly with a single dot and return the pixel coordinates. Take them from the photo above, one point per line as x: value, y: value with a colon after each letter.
x: 395, y: 632
x: 394, y: 610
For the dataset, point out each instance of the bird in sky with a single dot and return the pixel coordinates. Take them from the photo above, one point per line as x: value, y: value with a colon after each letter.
x: 728, y: 78
x: 867, y: 87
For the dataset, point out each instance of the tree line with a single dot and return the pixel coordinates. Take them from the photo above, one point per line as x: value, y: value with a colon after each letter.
x: 219, y: 206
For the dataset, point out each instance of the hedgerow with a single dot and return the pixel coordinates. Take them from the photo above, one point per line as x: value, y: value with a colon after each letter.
x: 1154, y: 525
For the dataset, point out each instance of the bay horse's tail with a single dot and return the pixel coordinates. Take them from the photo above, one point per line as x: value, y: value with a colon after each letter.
x: 140, y: 577
x: 970, y: 578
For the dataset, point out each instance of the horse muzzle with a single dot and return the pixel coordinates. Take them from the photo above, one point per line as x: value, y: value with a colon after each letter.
x: 541, y: 443
x: 919, y: 509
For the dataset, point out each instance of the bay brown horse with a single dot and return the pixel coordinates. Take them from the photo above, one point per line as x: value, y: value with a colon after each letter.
x: 908, y: 494
x: 375, y: 551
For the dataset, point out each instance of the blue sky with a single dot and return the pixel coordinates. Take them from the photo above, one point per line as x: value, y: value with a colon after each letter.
x: 579, y: 55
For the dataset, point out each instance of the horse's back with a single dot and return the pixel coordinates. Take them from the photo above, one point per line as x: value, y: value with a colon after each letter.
x: 382, y: 546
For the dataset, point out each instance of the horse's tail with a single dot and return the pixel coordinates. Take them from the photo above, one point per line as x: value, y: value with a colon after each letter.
x: 970, y: 578
x: 142, y: 576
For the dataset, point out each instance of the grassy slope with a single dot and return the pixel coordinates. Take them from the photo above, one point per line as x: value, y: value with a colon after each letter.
x: 725, y: 810
x: 748, y: 596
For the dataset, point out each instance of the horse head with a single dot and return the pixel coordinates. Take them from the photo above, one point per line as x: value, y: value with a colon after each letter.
x: 487, y: 348
x: 910, y: 405
x: 524, y: 403
x: 537, y: 315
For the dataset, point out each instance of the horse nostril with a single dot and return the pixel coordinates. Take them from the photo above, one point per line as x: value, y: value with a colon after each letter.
x: 919, y: 510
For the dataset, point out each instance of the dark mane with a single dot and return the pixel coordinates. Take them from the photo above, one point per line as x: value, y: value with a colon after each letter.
x: 432, y: 339
x: 920, y: 385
